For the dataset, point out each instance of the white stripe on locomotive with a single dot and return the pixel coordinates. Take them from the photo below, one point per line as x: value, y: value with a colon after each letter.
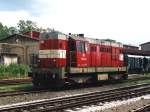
x: 52, y: 53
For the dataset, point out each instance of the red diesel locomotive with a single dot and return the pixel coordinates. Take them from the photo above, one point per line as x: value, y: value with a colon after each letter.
x: 67, y: 59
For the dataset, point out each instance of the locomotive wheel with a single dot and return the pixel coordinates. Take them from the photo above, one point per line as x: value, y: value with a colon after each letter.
x: 125, y: 77
x: 58, y: 84
x: 36, y: 83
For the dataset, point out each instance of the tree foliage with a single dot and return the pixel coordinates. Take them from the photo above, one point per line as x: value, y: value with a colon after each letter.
x: 25, y: 26
x: 4, y: 31
x: 22, y: 26
x: 12, y: 30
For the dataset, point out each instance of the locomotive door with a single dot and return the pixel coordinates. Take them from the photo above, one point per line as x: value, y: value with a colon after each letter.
x: 71, y: 53
x: 115, y: 56
x: 82, y: 56
x: 93, y: 55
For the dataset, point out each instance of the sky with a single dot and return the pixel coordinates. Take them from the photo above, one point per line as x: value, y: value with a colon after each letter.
x: 126, y: 21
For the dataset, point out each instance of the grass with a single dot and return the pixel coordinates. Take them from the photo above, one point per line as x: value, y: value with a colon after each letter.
x: 15, y: 87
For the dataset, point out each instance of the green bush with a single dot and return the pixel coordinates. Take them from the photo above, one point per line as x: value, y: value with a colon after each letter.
x: 3, y: 71
x: 13, y: 70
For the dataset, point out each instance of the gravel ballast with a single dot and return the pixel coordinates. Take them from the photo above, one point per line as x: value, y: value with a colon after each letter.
x: 53, y: 94
x: 116, y: 106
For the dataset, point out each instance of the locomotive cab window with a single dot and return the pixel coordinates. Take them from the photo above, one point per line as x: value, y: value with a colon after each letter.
x: 81, y: 46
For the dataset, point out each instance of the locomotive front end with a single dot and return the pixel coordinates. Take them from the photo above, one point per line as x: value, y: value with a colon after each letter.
x: 51, y: 60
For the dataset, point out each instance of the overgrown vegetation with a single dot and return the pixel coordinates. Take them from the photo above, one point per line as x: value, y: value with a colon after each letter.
x: 15, y: 87
x: 13, y: 71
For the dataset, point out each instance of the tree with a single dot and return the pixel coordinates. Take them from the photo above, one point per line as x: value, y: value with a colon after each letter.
x: 4, y: 31
x: 13, y: 30
x: 25, y: 26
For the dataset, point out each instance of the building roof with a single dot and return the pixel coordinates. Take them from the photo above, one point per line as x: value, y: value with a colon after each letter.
x: 20, y: 35
x: 136, y: 52
x: 145, y: 43
x: 132, y: 46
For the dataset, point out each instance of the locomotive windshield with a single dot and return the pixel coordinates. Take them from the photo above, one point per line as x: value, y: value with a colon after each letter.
x: 81, y: 46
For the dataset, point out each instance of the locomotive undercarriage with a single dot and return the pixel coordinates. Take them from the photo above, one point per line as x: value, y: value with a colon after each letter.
x: 59, y: 77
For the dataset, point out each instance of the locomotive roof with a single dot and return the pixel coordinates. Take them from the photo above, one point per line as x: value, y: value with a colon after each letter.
x: 59, y: 35
x: 78, y: 38
x: 98, y: 41
x: 53, y: 35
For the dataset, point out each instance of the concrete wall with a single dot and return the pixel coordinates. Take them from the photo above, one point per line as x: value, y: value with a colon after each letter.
x: 22, y: 46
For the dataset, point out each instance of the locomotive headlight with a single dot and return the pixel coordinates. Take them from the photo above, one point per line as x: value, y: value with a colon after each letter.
x: 53, y: 76
x: 42, y: 42
x: 38, y: 60
x: 121, y: 57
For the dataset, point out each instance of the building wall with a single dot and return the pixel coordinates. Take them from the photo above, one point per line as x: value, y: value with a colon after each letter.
x: 20, y: 52
x: 22, y: 46
x: 145, y: 47
x: 32, y: 50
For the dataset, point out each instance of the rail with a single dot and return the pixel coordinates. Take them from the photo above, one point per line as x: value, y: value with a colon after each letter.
x: 63, y: 103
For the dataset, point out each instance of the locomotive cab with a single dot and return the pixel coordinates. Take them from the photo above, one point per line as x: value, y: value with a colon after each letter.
x: 78, y: 52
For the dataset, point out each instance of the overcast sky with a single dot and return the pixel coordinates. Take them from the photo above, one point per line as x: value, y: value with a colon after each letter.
x: 127, y: 21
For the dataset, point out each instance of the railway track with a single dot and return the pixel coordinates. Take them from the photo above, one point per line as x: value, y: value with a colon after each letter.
x: 138, y: 78
x: 15, y: 81
x: 146, y: 108
x: 35, y: 90
x: 24, y: 81
x: 22, y: 92
x: 60, y: 104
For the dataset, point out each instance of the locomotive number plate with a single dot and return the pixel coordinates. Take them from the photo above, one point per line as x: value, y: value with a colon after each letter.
x: 102, y: 76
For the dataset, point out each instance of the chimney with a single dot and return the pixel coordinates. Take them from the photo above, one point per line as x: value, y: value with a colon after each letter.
x: 81, y: 35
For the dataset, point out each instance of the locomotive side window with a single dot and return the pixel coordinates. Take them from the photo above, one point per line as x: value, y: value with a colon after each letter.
x: 102, y: 49
x: 93, y: 48
x: 81, y: 46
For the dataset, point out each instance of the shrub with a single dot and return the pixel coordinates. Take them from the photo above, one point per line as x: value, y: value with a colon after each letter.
x: 13, y: 70
x: 2, y: 71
